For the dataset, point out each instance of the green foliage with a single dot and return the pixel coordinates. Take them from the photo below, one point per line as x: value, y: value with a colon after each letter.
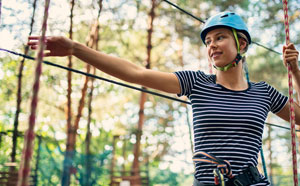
x: 165, y: 177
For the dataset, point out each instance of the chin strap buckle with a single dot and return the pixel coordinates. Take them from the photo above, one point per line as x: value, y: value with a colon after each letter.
x: 234, y: 63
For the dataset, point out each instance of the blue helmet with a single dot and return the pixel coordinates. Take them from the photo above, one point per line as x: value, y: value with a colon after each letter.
x: 225, y: 19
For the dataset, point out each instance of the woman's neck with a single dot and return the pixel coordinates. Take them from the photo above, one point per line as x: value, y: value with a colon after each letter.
x: 232, y: 79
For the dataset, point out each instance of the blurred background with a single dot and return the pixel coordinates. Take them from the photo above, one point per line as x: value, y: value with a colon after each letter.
x: 92, y: 132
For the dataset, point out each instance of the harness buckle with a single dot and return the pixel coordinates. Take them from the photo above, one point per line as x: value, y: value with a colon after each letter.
x: 236, y: 182
x: 253, y: 174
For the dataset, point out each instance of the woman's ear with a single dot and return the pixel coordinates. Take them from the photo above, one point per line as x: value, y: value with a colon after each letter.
x: 243, y: 45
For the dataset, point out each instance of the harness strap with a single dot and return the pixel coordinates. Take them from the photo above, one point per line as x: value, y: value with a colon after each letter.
x: 223, y: 166
x: 248, y: 176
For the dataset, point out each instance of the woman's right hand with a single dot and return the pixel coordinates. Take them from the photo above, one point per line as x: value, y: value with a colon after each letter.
x: 55, y: 45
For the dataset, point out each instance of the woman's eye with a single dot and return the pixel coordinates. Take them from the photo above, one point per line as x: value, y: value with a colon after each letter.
x: 220, y: 37
x: 207, y: 42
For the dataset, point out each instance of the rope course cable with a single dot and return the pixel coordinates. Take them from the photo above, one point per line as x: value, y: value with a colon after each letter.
x: 291, y: 100
x: 115, y: 82
x: 186, y: 12
x: 23, y: 177
x: 100, y: 78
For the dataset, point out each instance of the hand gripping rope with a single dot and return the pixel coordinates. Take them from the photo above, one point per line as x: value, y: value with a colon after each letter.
x: 23, y: 177
x: 223, y: 166
x: 292, y: 113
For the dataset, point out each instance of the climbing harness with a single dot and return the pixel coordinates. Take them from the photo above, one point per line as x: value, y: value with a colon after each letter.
x: 223, y: 166
x: 223, y: 173
x: 290, y: 80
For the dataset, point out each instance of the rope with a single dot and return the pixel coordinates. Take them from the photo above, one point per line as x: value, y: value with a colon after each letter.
x: 186, y: 12
x: 290, y: 80
x: 100, y: 78
x: 263, y: 162
x: 24, y: 171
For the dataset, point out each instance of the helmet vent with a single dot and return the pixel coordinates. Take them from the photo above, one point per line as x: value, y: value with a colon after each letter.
x: 226, y: 15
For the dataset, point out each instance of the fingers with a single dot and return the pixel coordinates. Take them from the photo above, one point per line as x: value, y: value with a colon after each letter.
x: 33, y: 37
x: 33, y: 42
x: 291, y: 46
x: 290, y: 56
x: 289, y: 50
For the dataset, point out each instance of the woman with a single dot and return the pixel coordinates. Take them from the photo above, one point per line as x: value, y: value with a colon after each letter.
x: 228, y: 112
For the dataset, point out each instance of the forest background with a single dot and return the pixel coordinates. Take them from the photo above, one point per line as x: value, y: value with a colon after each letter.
x: 114, y: 120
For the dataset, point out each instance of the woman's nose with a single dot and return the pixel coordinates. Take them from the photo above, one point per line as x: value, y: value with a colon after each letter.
x: 212, y: 44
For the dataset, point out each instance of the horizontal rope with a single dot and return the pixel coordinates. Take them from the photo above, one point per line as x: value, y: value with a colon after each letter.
x: 98, y: 77
x: 115, y: 82
x: 186, y: 12
x: 282, y: 127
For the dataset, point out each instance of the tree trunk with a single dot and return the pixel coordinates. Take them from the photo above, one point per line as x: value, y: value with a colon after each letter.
x: 113, y: 160
x: 88, y: 135
x: 19, y: 93
x: 143, y: 98
x: 65, y: 181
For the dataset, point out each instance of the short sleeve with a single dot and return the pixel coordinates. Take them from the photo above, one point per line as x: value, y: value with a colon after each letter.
x: 187, y: 80
x: 278, y: 100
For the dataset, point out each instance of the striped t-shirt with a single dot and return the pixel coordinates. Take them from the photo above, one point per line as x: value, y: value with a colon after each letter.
x: 228, y: 124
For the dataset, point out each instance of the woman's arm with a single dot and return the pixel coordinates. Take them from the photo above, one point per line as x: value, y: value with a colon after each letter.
x: 117, y: 67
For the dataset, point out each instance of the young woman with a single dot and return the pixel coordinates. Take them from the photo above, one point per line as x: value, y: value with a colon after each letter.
x: 228, y: 112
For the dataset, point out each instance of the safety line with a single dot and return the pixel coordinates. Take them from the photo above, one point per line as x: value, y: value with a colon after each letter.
x: 184, y: 11
x: 282, y: 127
x: 98, y: 77
x: 291, y: 100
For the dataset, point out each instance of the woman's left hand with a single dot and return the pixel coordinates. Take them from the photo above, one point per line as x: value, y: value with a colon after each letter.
x: 290, y: 56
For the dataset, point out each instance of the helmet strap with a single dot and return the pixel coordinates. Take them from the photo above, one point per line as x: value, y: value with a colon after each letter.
x: 237, y: 58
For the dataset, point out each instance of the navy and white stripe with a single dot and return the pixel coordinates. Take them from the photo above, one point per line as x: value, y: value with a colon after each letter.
x: 228, y: 124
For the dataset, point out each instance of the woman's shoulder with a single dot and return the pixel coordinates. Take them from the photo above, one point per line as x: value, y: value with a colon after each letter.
x: 259, y: 84
x: 197, y: 74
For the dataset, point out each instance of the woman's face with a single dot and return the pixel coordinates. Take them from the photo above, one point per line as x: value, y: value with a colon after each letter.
x: 220, y: 46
